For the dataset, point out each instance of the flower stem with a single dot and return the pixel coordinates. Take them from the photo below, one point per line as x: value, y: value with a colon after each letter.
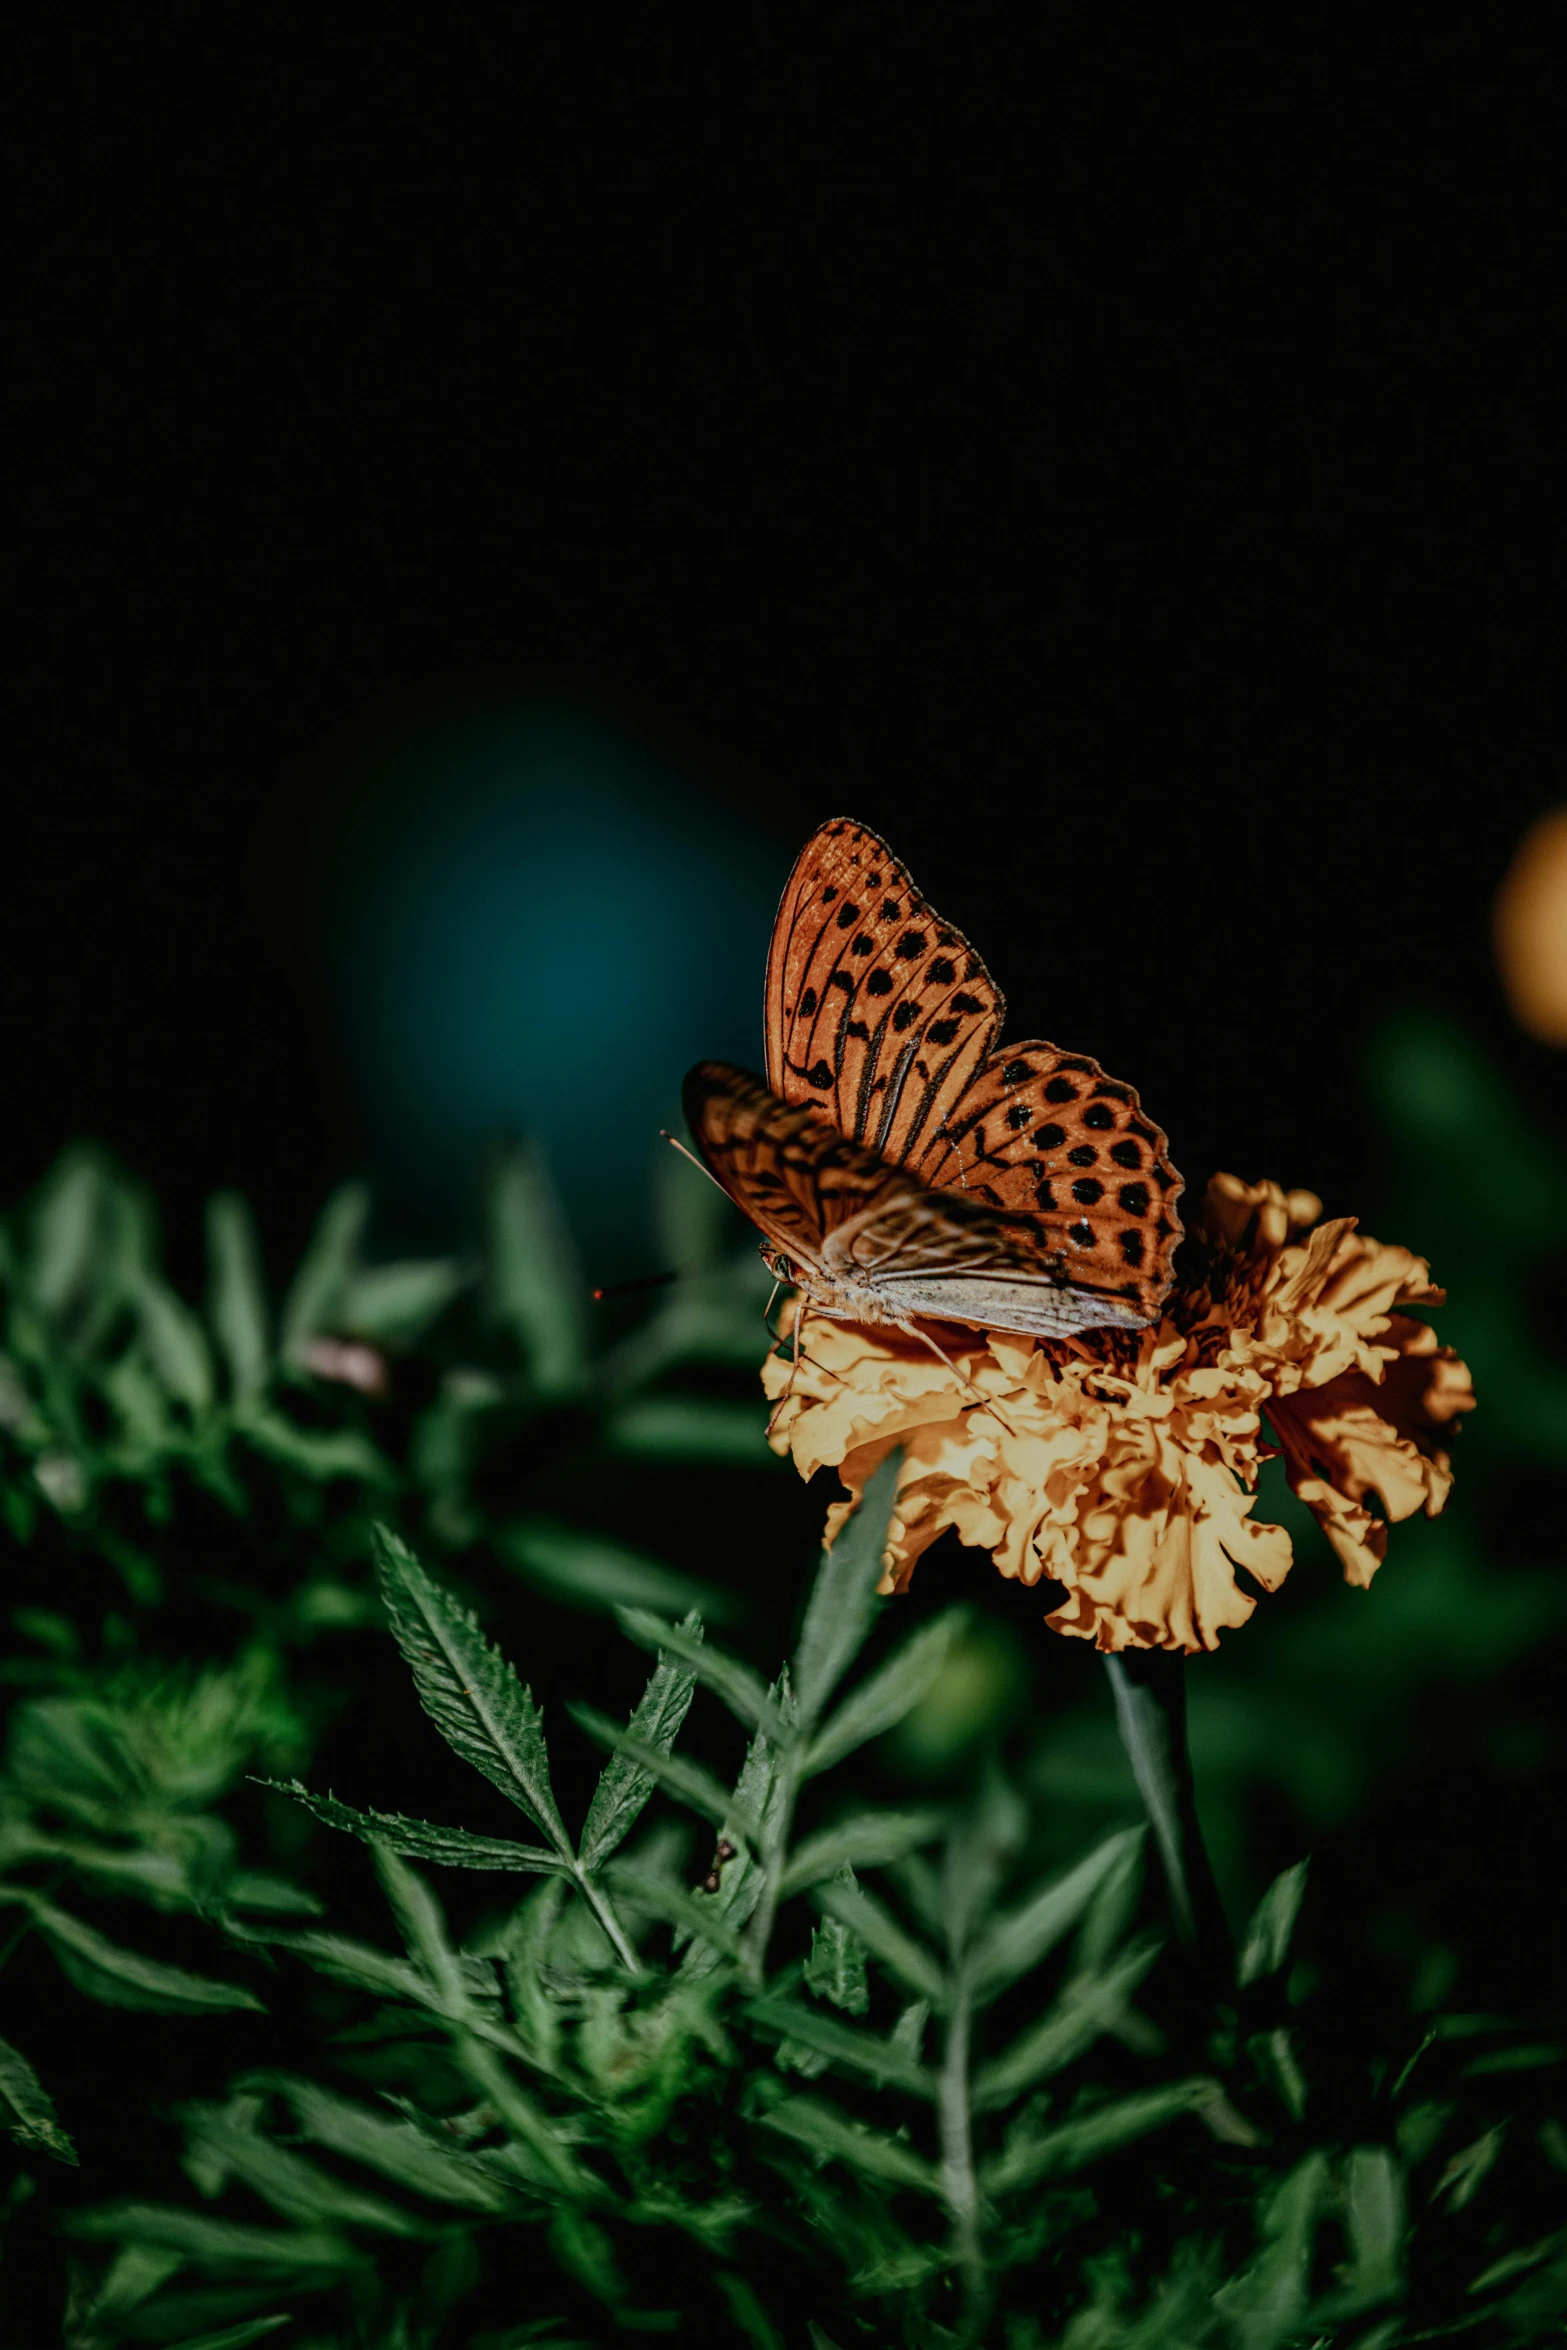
x: 1149, y: 1688
x: 958, y: 2183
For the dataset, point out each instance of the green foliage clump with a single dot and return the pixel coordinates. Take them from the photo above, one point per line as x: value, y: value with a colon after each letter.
x: 775, y: 2030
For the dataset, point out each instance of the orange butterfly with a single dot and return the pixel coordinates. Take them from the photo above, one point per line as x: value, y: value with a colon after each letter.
x: 898, y: 1160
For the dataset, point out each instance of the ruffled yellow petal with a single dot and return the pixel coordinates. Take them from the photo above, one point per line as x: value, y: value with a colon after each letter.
x: 1123, y: 1470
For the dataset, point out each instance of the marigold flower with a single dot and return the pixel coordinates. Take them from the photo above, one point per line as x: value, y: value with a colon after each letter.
x: 1123, y: 1465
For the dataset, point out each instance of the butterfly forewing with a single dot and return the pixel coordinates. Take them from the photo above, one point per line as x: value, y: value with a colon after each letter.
x: 877, y: 1011
x: 917, y: 1166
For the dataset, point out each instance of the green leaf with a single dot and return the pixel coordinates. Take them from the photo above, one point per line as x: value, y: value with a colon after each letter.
x: 689, y: 1428
x: 835, y: 1969
x: 423, y: 1930
x: 452, y: 1848
x: 747, y: 2311
x: 1017, y: 1942
x: 874, y: 1925
x: 884, y: 2061
x: 228, y: 2246
x: 1374, y: 2221
x: 588, y: 1571
x: 326, y: 1269
x: 692, y: 1913
x: 1464, y: 2171
x: 359, y: 1964
x: 37, y: 2124
x: 1110, y: 1913
x: 123, y: 1978
x: 691, y: 1783
x: 868, y: 1840
x: 1032, y: 2154
x: 1264, y: 2306
x: 624, y: 1785
x: 1267, y: 1941
x: 392, y: 1304
x: 535, y: 1284
x: 249, y: 2329
x: 843, y: 1602
x: 297, y: 2189
x: 822, y: 2131
x: 397, y: 2150
x: 318, y: 1453
x: 1088, y: 2006
x: 742, y: 1689
x: 467, y: 1688
x: 893, y: 1690
x: 175, y: 1344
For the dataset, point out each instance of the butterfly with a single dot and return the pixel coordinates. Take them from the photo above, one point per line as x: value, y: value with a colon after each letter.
x: 900, y: 1162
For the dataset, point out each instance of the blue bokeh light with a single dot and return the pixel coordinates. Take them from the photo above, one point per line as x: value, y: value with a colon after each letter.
x: 546, y: 926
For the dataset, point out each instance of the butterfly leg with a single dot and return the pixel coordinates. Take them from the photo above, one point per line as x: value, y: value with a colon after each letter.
x: 913, y: 1330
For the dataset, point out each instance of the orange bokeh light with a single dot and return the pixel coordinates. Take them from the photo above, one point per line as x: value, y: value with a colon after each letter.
x: 1529, y: 926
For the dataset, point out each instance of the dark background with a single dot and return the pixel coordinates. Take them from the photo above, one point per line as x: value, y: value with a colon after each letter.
x: 1124, y: 473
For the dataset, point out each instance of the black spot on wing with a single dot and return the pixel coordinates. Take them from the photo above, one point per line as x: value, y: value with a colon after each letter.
x: 879, y: 983
x: 942, y: 1031
x: 1016, y: 1073
x: 1088, y: 1189
x: 1083, y: 1156
x: 1049, y: 1138
x: 1018, y: 1116
x: 1126, y: 1154
x: 967, y: 1004
x: 943, y: 971
x: 1132, y: 1247
x: 910, y: 946
x: 1134, y: 1198
x: 905, y: 1016
x: 1098, y: 1117
x: 1060, y: 1089
x: 808, y: 1002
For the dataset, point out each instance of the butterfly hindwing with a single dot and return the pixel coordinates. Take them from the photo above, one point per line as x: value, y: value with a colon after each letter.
x: 877, y: 1011
x: 783, y: 1163
x: 1047, y: 1135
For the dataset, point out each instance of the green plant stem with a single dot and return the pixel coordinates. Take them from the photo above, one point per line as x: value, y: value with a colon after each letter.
x: 958, y: 2182
x: 1149, y: 1688
x: 598, y: 1901
x: 775, y: 1852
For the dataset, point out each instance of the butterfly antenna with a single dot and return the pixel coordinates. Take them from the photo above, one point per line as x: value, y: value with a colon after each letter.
x: 676, y: 1144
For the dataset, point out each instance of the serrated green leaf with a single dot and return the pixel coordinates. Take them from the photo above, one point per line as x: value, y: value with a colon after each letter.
x: 326, y: 1268
x: 843, y: 1602
x: 535, y: 1285
x: 37, y: 2124
x: 875, y: 1926
x: 868, y: 1840
x: 525, y: 1950
x: 423, y: 1930
x: 296, y: 2188
x: 1088, y: 2006
x: 220, y: 2244
x: 1033, y: 2153
x: 1266, y: 1945
x: 741, y: 1688
x: 397, y: 2150
x: 865, y: 2052
x: 885, y: 1696
x: 467, y: 1688
x: 124, y: 1978
x: 588, y: 1571
x: 423, y: 1840
x: 1016, y: 1942
x: 624, y: 1785
x: 390, y: 1305
x: 835, y: 1969
x: 690, y: 1782
x: 822, y: 2131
